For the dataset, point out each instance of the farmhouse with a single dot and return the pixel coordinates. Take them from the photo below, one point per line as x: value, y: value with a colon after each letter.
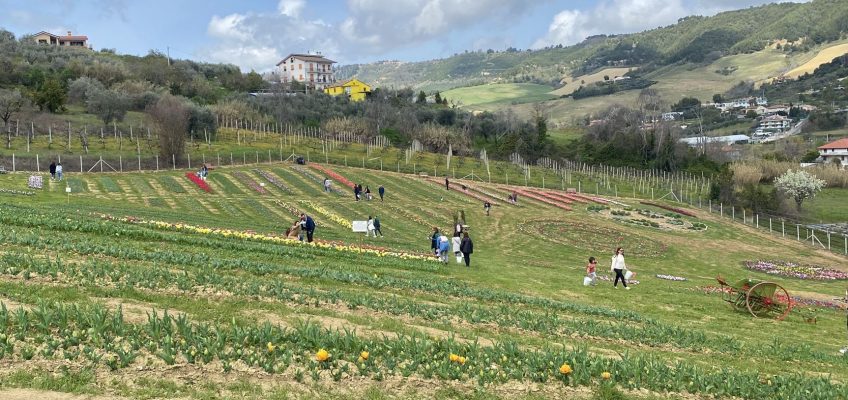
x: 835, y: 152
x: 56, y: 40
x: 354, y: 89
x: 313, y: 70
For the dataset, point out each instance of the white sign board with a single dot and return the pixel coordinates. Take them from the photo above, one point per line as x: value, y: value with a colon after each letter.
x: 68, y: 189
x: 360, y: 226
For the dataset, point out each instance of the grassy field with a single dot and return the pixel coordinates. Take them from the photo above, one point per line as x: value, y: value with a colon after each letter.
x: 825, y: 55
x: 573, y: 84
x: 248, y: 313
x: 485, y: 96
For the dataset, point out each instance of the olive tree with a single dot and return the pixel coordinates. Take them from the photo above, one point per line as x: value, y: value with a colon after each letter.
x: 11, y: 103
x: 799, y: 185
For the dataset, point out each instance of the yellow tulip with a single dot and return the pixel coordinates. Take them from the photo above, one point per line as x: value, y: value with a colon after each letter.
x: 565, y: 369
x: 322, y: 355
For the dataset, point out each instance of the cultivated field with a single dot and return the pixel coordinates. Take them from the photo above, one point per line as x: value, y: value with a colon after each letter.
x: 485, y: 96
x: 86, y: 279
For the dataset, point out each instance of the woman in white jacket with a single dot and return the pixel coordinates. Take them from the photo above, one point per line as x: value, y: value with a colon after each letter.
x: 456, y: 241
x: 618, y: 267
x: 370, y: 228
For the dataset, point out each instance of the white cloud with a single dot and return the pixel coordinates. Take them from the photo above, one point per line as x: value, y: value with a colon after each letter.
x: 627, y: 16
x: 617, y: 16
x: 291, y: 8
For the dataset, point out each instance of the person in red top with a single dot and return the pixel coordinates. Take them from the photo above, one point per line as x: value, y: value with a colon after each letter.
x: 590, y: 270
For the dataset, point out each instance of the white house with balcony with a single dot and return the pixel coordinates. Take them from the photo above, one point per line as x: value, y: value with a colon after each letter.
x: 774, y: 123
x: 835, y: 151
x: 313, y: 70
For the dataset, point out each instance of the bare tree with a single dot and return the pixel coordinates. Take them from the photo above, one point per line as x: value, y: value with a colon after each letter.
x: 171, y: 116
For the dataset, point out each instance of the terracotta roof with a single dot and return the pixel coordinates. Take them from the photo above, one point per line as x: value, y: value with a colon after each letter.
x: 307, y: 57
x: 839, y: 144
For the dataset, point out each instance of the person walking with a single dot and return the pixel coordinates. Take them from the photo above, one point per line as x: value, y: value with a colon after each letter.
x: 356, y: 192
x: 368, y: 193
x: 370, y: 228
x: 486, y: 207
x: 447, y: 184
x: 456, y: 241
x: 434, y: 241
x: 382, y: 192
x: 52, y: 170
x: 326, y: 184
x: 308, y: 226
x: 618, y: 267
x: 466, y: 247
x: 590, y: 270
x: 444, y: 248
x: 377, y: 227
x: 59, y: 171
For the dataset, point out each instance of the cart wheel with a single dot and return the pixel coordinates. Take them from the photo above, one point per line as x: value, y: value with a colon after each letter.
x: 768, y: 298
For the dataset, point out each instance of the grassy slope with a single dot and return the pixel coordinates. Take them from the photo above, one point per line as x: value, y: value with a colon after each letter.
x: 503, y: 93
x: 505, y: 258
x: 826, y: 55
x: 573, y: 84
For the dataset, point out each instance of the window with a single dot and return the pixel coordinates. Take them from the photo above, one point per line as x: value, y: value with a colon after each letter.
x: 300, y: 66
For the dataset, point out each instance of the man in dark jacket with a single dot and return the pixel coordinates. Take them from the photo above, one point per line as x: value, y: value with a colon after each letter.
x: 53, y: 170
x: 447, y: 184
x: 466, y: 247
x: 309, y: 226
x: 377, y: 226
x: 382, y: 192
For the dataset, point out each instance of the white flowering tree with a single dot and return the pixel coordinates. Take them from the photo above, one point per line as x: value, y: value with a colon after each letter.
x: 800, y: 185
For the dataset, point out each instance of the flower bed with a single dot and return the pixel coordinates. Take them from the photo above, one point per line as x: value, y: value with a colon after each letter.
x: 273, y: 180
x: 249, y: 235
x: 468, y: 193
x: 793, y: 270
x: 670, y: 208
x: 333, y: 175
x: 35, y: 182
x: 328, y: 214
x: 288, y: 207
x: 599, y: 240
x: 671, y: 277
x: 17, y: 192
x: 199, y: 182
x: 542, y: 199
x: 249, y: 182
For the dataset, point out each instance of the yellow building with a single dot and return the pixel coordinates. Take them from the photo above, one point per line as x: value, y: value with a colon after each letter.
x: 355, y: 89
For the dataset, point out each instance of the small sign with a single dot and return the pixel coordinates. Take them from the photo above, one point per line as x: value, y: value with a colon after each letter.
x: 262, y: 184
x: 68, y: 189
x: 360, y: 226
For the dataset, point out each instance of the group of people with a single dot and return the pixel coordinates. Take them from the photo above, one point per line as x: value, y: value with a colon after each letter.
x: 203, y: 172
x: 359, y: 193
x: 461, y: 245
x: 303, y: 228
x: 373, y: 227
x: 617, y: 266
x: 55, y: 170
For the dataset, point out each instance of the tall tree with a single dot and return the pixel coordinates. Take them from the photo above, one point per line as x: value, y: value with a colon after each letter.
x: 11, y: 102
x: 438, y: 98
x: 171, y: 116
x: 50, y: 95
x: 422, y: 97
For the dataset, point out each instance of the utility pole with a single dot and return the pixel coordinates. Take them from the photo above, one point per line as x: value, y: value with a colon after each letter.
x: 168, y: 51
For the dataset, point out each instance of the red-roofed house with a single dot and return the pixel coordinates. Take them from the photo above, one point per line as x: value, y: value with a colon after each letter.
x: 837, y: 150
x: 56, y: 40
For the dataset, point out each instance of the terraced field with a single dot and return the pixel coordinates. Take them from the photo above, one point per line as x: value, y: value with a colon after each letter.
x: 142, y: 285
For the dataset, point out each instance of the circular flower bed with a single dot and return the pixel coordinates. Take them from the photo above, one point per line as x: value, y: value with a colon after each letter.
x: 793, y: 270
x: 599, y: 240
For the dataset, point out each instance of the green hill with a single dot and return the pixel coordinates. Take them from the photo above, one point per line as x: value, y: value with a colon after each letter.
x: 692, y: 39
x: 86, y: 278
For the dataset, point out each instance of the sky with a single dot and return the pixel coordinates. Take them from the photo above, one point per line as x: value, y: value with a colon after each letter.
x: 256, y: 34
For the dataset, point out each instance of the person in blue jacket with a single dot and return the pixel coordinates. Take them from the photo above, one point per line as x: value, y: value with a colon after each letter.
x: 308, y: 226
x: 444, y: 248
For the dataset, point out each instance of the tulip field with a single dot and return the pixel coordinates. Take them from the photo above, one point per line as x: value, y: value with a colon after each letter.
x: 163, y: 285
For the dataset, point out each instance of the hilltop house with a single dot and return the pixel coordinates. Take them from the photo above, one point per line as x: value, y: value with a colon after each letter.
x: 774, y: 123
x: 355, y: 89
x: 313, y: 70
x: 835, y: 151
x: 56, y: 40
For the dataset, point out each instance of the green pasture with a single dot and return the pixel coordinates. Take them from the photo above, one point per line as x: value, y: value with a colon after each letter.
x: 484, y: 97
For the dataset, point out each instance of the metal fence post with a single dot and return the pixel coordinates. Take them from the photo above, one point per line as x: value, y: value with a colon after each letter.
x: 797, y: 232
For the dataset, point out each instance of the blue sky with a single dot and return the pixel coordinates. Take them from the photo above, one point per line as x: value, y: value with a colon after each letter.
x: 257, y: 34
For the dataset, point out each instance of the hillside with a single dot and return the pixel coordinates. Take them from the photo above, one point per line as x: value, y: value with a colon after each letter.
x: 247, y: 309
x: 692, y: 40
